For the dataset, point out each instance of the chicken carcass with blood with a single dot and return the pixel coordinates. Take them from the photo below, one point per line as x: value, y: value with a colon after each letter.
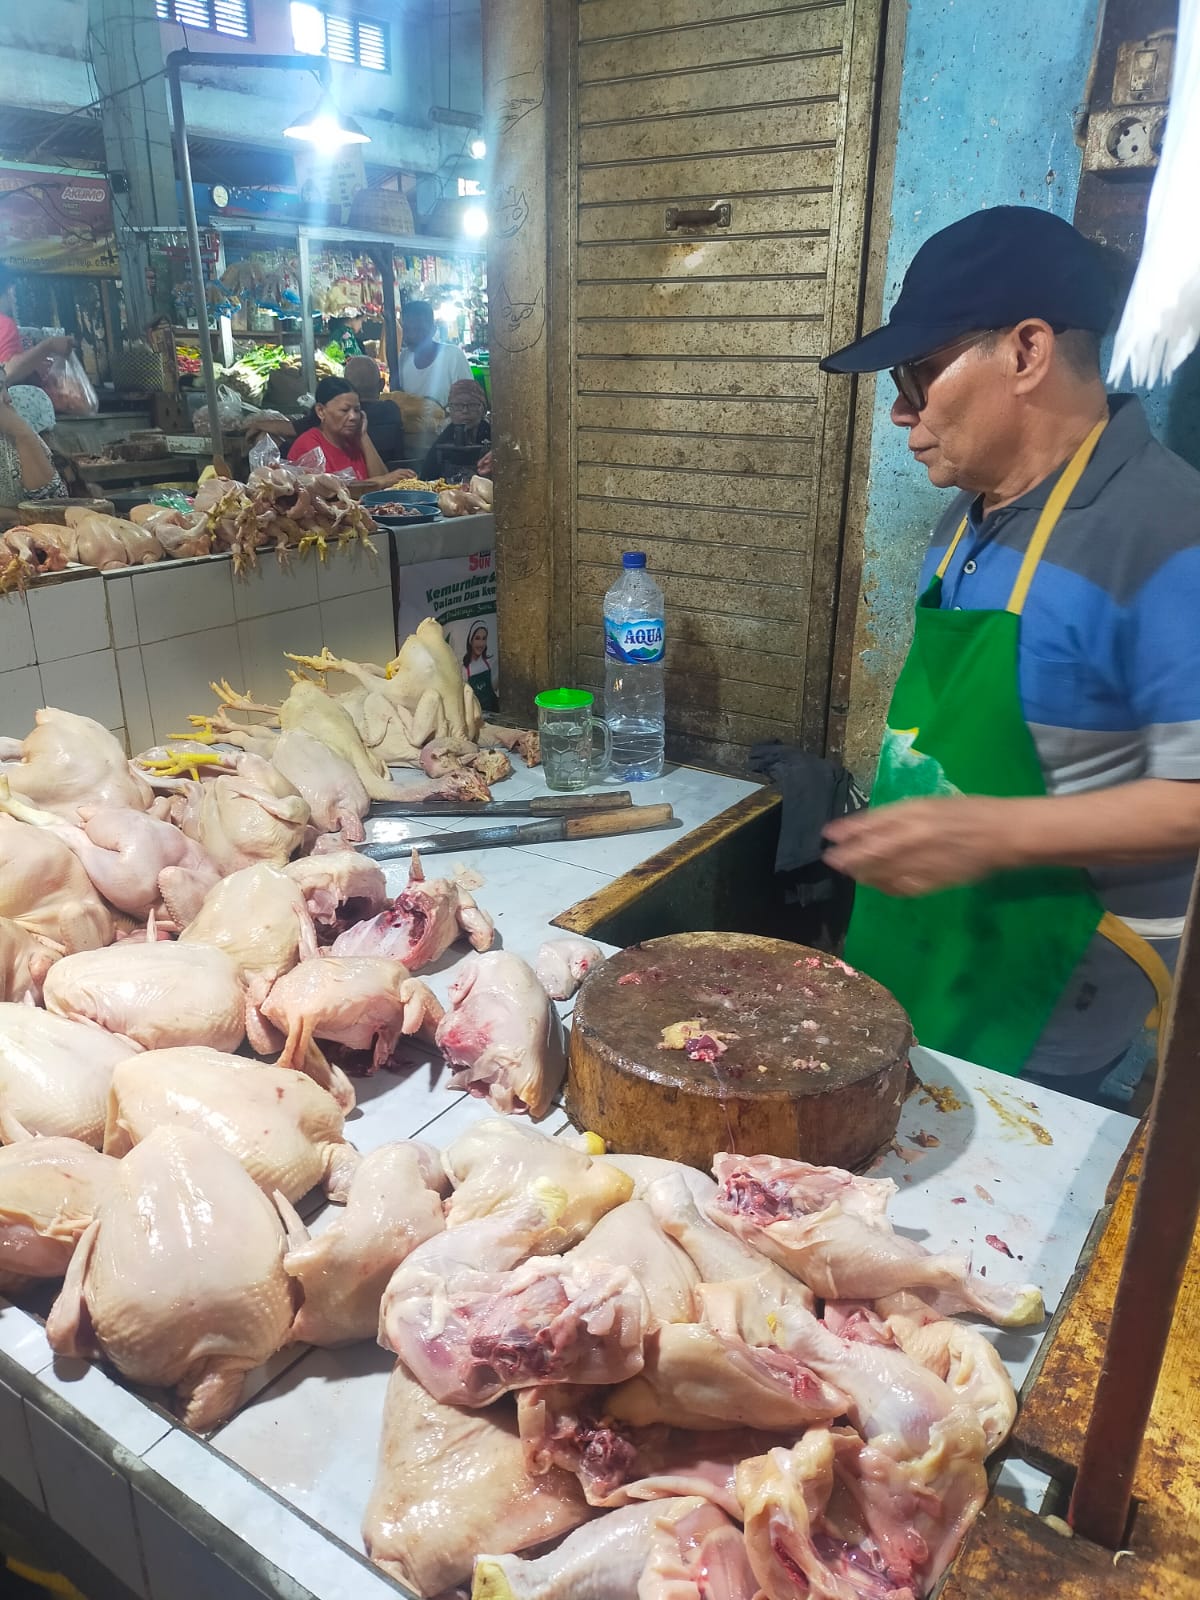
x: 392, y: 1206
x: 470, y: 1336
x: 450, y: 1482
x: 679, y: 1549
x: 259, y: 918
x: 496, y: 1163
x: 49, y: 1191
x: 502, y: 1035
x: 335, y: 794
x: 54, y: 1075
x: 359, y: 1007
x: 283, y: 1129
x: 830, y: 1229
x: 45, y: 891
x: 562, y: 964
x: 179, y: 1281
x: 340, y: 888
x: 421, y: 924
x: 69, y: 761
x: 156, y: 995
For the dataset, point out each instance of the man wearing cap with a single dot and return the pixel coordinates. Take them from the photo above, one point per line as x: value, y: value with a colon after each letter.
x: 1024, y: 868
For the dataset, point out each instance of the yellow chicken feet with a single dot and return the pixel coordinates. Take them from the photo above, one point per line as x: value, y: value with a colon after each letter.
x: 180, y: 763
x: 231, y: 700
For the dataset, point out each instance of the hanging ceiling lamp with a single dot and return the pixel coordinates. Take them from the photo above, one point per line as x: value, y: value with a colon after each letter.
x: 326, y: 127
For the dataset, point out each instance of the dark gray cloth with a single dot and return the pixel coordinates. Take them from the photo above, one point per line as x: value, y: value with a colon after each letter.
x: 814, y: 791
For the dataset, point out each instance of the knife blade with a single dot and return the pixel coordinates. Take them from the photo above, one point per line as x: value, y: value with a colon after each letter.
x: 546, y: 805
x: 551, y: 830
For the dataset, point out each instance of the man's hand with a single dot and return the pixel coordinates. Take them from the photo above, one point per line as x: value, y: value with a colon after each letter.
x: 399, y: 476
x: 916, y: 847
x: 62, y: 344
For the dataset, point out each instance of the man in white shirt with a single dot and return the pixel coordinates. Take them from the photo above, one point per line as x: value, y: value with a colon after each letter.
x: 427, y: 367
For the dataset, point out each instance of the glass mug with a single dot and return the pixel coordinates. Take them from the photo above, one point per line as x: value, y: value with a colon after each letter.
x: 566, y: 728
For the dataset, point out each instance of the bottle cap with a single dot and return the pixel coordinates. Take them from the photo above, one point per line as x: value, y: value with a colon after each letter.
x: 633, y: 558
x: 564, y: 699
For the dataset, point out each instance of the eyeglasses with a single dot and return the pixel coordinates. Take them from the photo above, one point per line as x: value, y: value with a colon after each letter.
x: 911, y: 386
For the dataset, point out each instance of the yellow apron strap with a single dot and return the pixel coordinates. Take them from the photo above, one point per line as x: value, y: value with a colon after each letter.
x: 1146, y: 957
x: 1051, y: 512
x: 944, y: 564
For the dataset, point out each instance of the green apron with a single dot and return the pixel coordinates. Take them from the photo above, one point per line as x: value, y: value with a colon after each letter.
x: 981, y: 967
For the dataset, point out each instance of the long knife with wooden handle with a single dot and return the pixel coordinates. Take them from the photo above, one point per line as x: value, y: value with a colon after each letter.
x: 542, y: 805
x: 595, y: 825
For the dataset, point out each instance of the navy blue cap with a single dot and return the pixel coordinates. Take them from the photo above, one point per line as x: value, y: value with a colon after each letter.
x: 988, y: 270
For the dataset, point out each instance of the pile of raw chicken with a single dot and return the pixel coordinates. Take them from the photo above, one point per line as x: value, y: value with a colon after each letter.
x: 277, y: 508
x: 703, y: 1390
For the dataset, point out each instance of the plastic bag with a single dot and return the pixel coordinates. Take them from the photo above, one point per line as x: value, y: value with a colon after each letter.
x: 171, y: 499
x: 229, y: 411
x: 264, y: 452
x: 70, y: 388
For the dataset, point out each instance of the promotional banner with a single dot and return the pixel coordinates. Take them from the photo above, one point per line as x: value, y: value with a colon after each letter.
x: 332, y: 180
x: 56, y: 221
x: 461, y: 593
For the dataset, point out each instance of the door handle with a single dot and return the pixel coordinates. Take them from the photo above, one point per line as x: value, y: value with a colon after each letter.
x: 719, y: 215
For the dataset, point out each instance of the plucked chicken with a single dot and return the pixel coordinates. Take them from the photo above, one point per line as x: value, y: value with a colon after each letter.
x: 392, y: 1206
x: 45, y: 891
x: 49, y: 1191
x: 831, y: 1230
x: 247, y: 816
x: 470, y: 1336
x: 562, y: 964
x: 54, y: 1075
x: 179, y: 1281
x: 361, y: 1006
x: 280, y: 1127
x: 340, y: 888
x: 24, y: 962
x: 421, y: 924
x: 451, y: 1482
x: 335, y: 794
x: 68, y: 761
x: 94, y: 533
x: 496, y: 1162
x: 503, y: 1035
x: 156, y: 995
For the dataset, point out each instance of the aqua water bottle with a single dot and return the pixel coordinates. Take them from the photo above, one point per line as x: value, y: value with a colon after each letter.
x: 634, y: 642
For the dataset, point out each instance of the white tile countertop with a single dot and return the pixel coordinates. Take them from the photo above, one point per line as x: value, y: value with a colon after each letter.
x: 272, y: 1503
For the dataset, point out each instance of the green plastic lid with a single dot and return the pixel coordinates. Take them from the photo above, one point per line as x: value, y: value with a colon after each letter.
x: 564, y: 699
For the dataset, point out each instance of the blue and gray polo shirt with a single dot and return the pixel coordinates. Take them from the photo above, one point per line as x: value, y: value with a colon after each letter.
x: 1109, y: 670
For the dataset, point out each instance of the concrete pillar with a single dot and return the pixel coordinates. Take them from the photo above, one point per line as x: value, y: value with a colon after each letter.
x: 126, y: 48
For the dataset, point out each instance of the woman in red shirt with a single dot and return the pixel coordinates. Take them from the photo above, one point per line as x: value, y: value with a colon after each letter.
x: 337, y: 427
x: 21, y: 365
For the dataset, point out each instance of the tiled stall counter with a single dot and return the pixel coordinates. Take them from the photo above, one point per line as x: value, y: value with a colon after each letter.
x: 137, y: 648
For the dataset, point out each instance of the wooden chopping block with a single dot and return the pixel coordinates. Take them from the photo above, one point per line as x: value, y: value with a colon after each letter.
x: 53, y: 511
x: 814, y: 1065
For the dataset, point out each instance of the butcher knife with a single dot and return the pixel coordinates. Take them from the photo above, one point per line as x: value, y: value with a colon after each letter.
x: 543, y: 805
x: 596, y: 825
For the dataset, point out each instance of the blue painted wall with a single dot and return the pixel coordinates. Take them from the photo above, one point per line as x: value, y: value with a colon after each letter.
x: 989, y: 92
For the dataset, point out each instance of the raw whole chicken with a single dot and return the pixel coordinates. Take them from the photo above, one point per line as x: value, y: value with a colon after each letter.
x: 49, y: 1191
x: 695, y: 1377
x: 327, y: 781
x: 421, y: 924
x: 281, y: 1128
x: 247, y: 816
x: 830, y: 1229
x: 45, y: 891
x: 340, y: 888
x: 97, y: 534
x: 470, y: 1336
x: 127, y: 854
x: 503, y: 1035
x: 835, y: 1518
x: 562, y: 964
x: 179, y: 1281
x: 681, y: 1549
x: 259, y: 919
x: 43, y: 546
x: 24, y: 962
x: 54, y: 1075
x: 69, y: 761
x: 156, y: 995
x: 182, y: 534
x: 451, y: 1482
x: 392, y: 1206
x: 496, y: 1163
x: 362, y: 1004
x: 630, y: 1236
